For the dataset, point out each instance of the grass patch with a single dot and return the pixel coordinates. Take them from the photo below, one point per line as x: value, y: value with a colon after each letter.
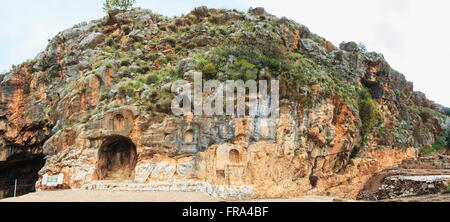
x: 436, y: 148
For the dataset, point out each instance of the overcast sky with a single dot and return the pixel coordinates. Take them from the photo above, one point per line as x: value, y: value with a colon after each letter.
x: 413, y: 35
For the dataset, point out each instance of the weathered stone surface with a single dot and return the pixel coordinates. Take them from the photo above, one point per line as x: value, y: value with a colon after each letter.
x: 92, y: 40
x: 188, y: 64
x: 257, y: 11
x: 186, y: 167
x: 163, y: 168
x: 92, y: 108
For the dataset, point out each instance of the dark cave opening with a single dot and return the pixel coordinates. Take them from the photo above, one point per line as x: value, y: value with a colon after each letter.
x: 117, y: 159
x: 313, y: 181
x: 22, y: 167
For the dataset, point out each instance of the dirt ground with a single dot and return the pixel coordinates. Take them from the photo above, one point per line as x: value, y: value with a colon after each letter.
x: 110, y: 196
x: 125, y: 196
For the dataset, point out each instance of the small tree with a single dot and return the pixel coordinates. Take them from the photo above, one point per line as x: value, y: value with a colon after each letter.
x: 118, y: 4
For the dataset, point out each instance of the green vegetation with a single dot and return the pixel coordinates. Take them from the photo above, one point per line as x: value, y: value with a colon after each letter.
x: 98, y: 64
x: 437, y: 147
x: 367, y: 112
x: 260, y: 57
x: 153, y: 57
x: 164, y: 104
x: 309, y: 101
x: 128, y: 88
x: 71, y: 53
x: 109, y: 5
x: 125, y: 62
x: 244, y: 70
x: 126, y: 29
x: 170, y: 40
x: 53, y: 73
x: 68, y: 124
x: 88, y: 115
x: 140, y: 25
x: 104, y: 95
x: 110, y: 41
x: 433, y: 149
x: 151, y: 78
x: 355, y: 152
x: 209, y: 71
x: 192, y: 45
x: 356, y: 149
x: 143, y: 69
x: 179, y: 48
x: 26, y: 89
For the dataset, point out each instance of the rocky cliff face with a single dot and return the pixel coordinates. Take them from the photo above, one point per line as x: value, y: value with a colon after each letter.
x: 97, y: 101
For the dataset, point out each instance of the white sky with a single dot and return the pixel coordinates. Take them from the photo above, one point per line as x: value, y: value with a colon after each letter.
x: 413, y: 35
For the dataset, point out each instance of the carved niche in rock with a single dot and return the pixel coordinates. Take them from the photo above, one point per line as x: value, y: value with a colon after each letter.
x: 119, y: 122
x: 230, y: 164
x: 188, y: 138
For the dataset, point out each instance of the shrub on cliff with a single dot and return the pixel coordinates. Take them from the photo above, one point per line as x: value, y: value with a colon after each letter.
x: 367, y: 112
x: 209, y: 71
x: 109, y: 5
x: 437, y: 147
x: 355, y: 152
x: 244, y: 70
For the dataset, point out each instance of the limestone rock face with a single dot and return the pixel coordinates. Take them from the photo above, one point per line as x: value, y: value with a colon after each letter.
x: 92, y: 40
x: 96, y: 104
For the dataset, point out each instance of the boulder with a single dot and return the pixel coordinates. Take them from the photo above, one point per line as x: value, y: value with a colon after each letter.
x: 257, y: 11
x: 349, y: 46
x: 92, y: 40
x: 187, y: 64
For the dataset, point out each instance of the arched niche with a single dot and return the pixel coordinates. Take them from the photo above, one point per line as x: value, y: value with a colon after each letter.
x: 234, y: 157
x: 117, y: 158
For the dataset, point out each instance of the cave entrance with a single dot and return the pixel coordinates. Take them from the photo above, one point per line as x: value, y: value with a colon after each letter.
x: 24, y: 167
x: 117, y: 159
